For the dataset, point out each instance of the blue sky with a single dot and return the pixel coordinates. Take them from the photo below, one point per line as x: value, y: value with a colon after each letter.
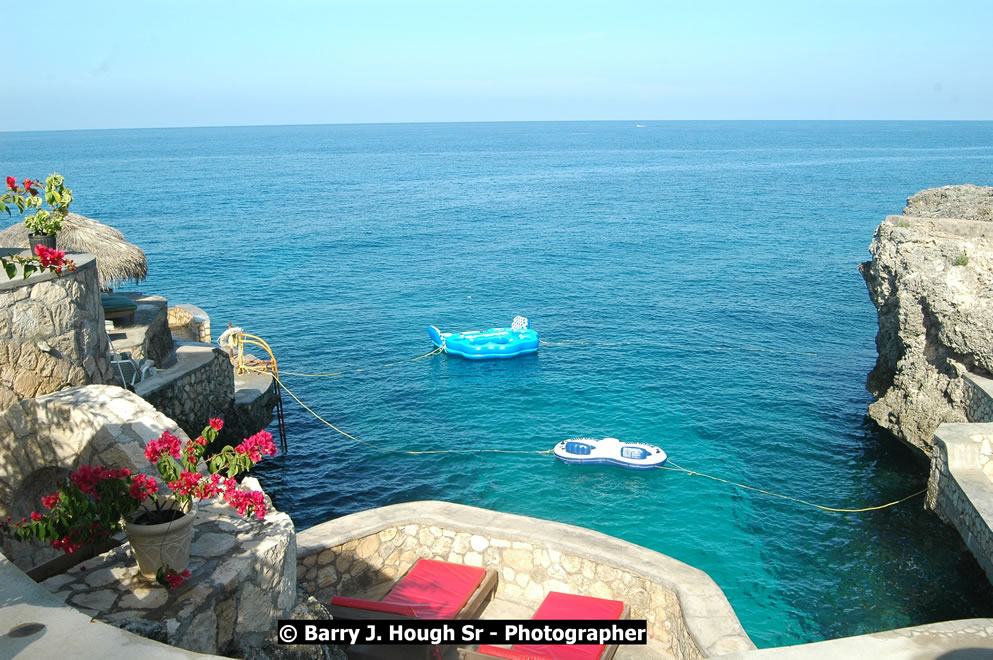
x: 208, y: 63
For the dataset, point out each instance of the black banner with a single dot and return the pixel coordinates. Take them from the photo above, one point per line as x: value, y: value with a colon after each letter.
x: 496, y: 631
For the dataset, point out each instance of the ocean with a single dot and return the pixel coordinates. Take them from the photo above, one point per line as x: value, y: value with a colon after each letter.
x: 697, y: 283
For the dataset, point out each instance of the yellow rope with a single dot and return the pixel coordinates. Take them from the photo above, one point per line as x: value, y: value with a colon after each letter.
x: 674, y: 467
x: 355, y: 371
x: 403, y: 451
x: 677, y: 468
x: 682, y: 347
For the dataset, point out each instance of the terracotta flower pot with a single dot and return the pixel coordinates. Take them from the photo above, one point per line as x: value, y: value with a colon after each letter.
x: 162, y: 544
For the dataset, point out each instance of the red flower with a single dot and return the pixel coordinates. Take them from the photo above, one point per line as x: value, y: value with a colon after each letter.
x: 217, y: 424
x: 11, y: 183
x: 51, y: 500
x: 256, y: 445
x: 167, y: 444
x: 173, y: 579
x: 27, y: 185
x: 35, y: 515
x: 142, y: 486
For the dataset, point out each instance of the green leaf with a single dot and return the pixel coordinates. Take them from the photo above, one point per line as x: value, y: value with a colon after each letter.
x: 10, y: 268
x: 28, y: 269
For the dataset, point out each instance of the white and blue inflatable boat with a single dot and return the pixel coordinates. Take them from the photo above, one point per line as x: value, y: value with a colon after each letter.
x: 518, y: 339
x: 610, y: 451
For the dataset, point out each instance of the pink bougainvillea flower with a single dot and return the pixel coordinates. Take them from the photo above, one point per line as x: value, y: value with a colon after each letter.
x: 51, y: 500
x: 257, y: 445
x: 142, y: 486
x: 11, y: 183
x: 166, y: 444
x: 217, y: 424
x: 35, y: 515
x: 28, y: 183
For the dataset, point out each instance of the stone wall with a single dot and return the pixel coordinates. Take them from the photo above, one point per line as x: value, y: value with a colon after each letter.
x: 978, y: 398
x: 43, y: 439
x: 960, y: 490
x: 189, y: 323
x: 205, y: 389
x: 688, y: 615
x: 51, y: 333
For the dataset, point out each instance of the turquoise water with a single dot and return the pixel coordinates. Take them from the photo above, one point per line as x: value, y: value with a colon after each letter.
x: 722, y: 255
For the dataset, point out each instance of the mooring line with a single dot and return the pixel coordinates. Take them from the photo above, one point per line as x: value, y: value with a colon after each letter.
x: 677, y: 468
x: 283, y: 372
x: 681, y: 347
x: 403, y: 451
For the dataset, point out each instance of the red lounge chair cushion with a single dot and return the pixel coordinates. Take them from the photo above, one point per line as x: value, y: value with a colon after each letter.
x: 372, y: 605
x: 436, y: 589
x: 562, y: 606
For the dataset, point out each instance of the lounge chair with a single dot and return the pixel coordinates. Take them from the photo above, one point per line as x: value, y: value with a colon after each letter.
x: 117, y: 307
x: 559, y: 606
x: 129, y: 371
x: 431, y: 589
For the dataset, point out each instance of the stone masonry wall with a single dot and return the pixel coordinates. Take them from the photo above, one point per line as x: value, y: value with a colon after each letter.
x: 978, y: 398
x: 204, y: 392
x: 51, y: 333
x: 960, y: 490
x: 189, y: 323
x: 530, y: 564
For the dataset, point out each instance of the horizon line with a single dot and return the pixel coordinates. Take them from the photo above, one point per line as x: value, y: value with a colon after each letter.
x: 491, y: 121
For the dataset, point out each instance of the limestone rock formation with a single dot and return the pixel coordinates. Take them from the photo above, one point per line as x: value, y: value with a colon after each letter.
x: 931, y: 280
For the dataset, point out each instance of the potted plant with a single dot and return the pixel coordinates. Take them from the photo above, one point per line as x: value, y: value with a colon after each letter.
x: 95, y: 501
x: 43, y: 225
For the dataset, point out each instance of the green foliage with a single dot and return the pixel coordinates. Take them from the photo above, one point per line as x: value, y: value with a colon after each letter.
x: 961, y: 260
x: 27, y: 198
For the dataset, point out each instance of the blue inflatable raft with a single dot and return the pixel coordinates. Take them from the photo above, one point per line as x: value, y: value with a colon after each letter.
x: 494, y: 343
x: 610, y: 451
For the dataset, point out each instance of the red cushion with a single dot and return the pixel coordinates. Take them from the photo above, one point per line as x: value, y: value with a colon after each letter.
x: 436, y: 589
x: 511, y: 654
x: 562, y: 606
x: 372, y: 605
x: 558, y: 605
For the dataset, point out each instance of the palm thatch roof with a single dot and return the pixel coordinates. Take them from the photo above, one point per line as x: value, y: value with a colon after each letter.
x: 117, y: 260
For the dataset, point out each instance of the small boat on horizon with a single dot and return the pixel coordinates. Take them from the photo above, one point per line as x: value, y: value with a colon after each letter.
x: 610, y: 451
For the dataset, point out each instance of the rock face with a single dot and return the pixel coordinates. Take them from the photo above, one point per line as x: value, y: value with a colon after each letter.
x: 931, y: 280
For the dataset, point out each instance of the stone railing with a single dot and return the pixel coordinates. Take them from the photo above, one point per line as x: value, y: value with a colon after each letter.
x: 189, y: 323
x: 978, y: 394
x: 51, y: 332
x: 199, y: 386
x: 688, y: 615
x: 960, y: 489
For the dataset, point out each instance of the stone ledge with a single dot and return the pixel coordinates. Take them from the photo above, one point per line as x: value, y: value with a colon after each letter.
x: 959, y: 491
x: 688, y: 613
x: 966, y: 638
x: 84, y: 262
x: 64, y: 630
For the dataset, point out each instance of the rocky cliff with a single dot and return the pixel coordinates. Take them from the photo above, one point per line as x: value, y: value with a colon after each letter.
x: 931, y: 280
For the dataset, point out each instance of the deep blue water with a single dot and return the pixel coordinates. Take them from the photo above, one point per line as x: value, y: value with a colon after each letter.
x: 720, y: 257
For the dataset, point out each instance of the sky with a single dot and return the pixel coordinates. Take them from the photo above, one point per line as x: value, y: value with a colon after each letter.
x: 108, y: 64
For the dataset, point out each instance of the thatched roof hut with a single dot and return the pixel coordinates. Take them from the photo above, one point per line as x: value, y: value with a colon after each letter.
x: 117, y: 260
